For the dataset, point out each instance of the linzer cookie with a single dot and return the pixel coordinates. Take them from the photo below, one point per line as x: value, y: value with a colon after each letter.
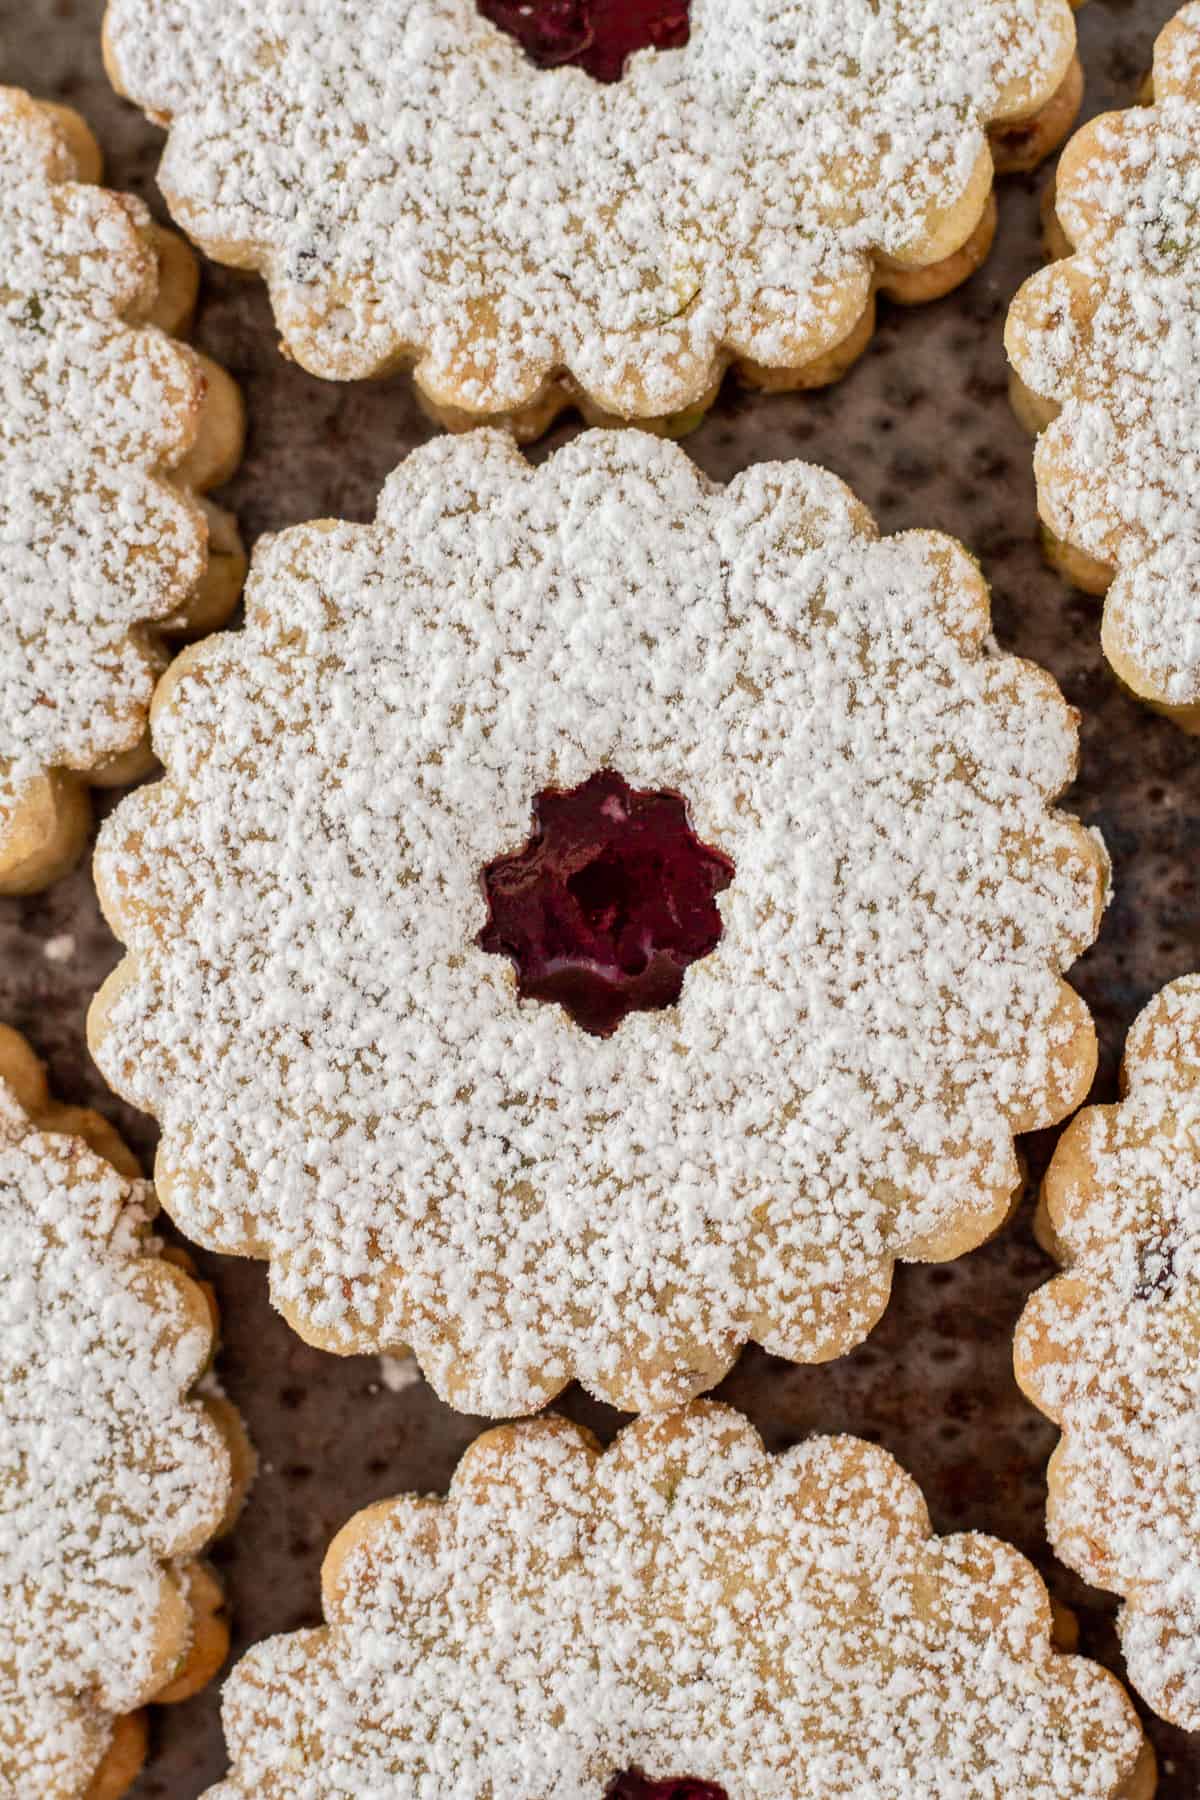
x: 594, y: 918
x: 109, y: 431
x: 1110, y: 1350
x: 680, y: 1616
x: 1106, y: 346
x: 604, y: 202
x: 114, y: 1472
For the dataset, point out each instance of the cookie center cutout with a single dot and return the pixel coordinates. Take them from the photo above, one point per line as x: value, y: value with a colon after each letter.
x: 607, y: 904
x: 635, y: 1786
x: 595, y: 35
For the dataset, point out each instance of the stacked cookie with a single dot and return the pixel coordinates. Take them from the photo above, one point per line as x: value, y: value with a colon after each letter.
x: 591, y: 918
x: 112, y: 431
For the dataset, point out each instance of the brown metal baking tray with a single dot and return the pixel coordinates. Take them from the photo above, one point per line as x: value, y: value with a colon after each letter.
x: 922, y: 430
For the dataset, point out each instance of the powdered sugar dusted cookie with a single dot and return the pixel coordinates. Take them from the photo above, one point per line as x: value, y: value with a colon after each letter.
x: 682, y: 1605
x: 594, y: 917
x: 482, y: 191
x: 109, y: 429
x: 1106, y: 346
x: 113, y: 1475
x: 1110, y: 1350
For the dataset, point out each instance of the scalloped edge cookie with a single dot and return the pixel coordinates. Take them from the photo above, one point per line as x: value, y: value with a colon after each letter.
x: 193, y: 1627
x: 683, y: 1604
x: 1091, y: 543
x: 1098, y: 1352
x: 341, y: 329
x: 673, y: 629
x: 47, y: 814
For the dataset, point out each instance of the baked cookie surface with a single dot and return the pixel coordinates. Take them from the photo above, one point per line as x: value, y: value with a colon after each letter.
x: 109, y: 430
x: 113, y: 1474
x: 416, y: 189
x: 1106, y: 347
x: 684, y: 1605
x: 1109, y: 1350
x: 348, y: 1080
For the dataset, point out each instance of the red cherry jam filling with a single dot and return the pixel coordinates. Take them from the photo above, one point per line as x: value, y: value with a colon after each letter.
x: 595, y: 35
x: 635, y: 1786
x: 608, y: 903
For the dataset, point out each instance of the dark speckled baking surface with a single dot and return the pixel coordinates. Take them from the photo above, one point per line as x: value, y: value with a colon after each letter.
x: 921, y: 429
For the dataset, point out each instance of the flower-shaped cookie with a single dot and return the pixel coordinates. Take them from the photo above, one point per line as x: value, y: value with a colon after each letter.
x: 1111, y: 1350
x: 1106, y: 347
x: 684, y: 1605
x: 112, y: 1475
x: 108, y: 430
x: 415, y: 188
x: 732, y: 705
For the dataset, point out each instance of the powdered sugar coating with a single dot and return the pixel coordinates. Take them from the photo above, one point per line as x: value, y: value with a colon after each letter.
x: 109, y: 1475
x: 1111, y: 336
x: 411, y: 185
x: 1109, y: 1350
x: 785, y: 1626
x: 93, y: 544
x: 347, y: 1083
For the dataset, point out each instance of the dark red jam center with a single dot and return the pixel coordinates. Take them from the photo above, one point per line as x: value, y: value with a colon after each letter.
x: 635, y: 1786
x: 596, y: 35
x: 608, y: 903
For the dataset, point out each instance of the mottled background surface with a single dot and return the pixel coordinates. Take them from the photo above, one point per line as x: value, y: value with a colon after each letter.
x: 922, y: 431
